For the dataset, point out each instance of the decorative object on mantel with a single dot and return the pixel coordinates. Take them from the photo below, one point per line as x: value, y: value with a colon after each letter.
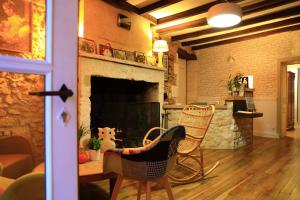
x: 120, y: 54
x: 229, y: 85
x: 105, y: 50
x: 151, y: 60
x: 160, y: 46
x: 124, y: 21
x: 139, y: 57
x: 87, y: 45
x: 94, y: 146
x: 107, y: 136
x: 130, y: 56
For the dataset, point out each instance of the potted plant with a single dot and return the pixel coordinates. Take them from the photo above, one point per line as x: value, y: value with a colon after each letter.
x: 83, y: 135
x: 230, y: 85
x: 237, y: 83
x: 94, y: 146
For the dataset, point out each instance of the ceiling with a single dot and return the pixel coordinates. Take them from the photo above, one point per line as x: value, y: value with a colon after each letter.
x: 184, y: 21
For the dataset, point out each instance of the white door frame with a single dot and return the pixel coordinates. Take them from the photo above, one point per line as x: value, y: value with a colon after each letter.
x: 282, y: 93
x: 60, y: 66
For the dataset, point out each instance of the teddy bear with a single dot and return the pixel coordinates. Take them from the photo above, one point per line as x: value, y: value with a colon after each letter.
x: 107, y: 135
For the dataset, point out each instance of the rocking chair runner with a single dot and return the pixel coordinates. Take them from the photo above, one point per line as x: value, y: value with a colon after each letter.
x: 196, y: 120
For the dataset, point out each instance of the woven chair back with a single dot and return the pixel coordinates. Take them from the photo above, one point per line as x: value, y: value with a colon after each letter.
x: 196, y: 119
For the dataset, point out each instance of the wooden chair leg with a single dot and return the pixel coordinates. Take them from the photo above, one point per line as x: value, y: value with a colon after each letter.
x: 148, y: 190
x: 202, y: 164
x: 140, y: 189
x: 167, y: 187
x: 117, y: 188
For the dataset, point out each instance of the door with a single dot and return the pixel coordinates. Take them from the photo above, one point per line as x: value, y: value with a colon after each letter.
x: 290, y: 103
x: 58, y: 65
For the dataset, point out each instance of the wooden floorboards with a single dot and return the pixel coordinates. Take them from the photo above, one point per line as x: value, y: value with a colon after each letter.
x: 270, y: 169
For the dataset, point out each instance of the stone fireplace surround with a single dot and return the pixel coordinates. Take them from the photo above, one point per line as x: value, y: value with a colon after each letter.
x: 97, y: 65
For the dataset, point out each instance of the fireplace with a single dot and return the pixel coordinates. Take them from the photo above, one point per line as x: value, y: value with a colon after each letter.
x: 125, y: 105
x: 128, y: 92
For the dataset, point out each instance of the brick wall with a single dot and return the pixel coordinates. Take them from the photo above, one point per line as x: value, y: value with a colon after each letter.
x: 259, y: 57
x: 20, y: 113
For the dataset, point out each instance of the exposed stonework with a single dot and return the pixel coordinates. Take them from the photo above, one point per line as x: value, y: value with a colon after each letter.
x: 224, y: 132
x: 20, y: 113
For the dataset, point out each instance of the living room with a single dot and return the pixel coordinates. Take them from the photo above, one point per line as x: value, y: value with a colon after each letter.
x: 195, y: 76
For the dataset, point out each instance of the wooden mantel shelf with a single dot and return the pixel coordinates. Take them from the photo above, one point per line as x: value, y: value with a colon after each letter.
x: 116, y: 60
x: 234, y: 98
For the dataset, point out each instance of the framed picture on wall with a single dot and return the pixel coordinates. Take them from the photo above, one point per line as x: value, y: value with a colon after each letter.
x: 139, y: 57
x: 130, y: 56
x: 87, y: 46
x: 15, y: 26
x: 120, y: 54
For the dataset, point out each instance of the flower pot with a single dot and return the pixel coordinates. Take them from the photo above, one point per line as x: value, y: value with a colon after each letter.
x: 94, y: 154
x: 236, y: 93
x: 229, y: 93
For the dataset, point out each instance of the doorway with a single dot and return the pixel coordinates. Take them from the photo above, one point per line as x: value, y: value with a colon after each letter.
x: 283, y: 102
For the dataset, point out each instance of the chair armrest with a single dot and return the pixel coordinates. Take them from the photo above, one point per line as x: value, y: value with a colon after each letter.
x: 145, y: 140
x: 14, y: 144
x: 195, y: 137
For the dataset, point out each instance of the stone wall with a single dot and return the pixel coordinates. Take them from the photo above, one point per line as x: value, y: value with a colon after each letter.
x: 20, y: 113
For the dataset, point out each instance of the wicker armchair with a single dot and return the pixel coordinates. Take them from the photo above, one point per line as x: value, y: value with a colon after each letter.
x: 150, y: 162
x: 196, y: 120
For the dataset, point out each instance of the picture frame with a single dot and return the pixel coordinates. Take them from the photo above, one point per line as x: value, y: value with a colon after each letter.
x: 105, y: 50
x: 120, y: 54
x: 87, y: 46
x: 124, y: 21
x: 16, y: 37
x: 245, y: 81
x: 139, y: 57
x: 130, y: 56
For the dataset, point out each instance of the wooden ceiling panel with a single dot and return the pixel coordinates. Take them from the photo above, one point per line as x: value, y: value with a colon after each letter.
x: 185, y: 20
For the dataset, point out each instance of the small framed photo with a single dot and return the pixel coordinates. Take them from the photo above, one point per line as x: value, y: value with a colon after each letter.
x: 130, y: 56
x: 151, y: 60
x: 139, y: 57
x: 105, y: 50
x: 120, y: 54
x: 87, y: 45
x: 245, y: 81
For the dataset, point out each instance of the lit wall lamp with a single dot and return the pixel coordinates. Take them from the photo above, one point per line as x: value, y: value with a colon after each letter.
x: 224, y: 15
x: 160, y: 46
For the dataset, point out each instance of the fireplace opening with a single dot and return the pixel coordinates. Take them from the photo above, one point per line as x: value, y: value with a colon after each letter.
x: 127, y: 105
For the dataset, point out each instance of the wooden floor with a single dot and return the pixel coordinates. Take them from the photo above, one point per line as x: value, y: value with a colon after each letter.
x: 268, y: 170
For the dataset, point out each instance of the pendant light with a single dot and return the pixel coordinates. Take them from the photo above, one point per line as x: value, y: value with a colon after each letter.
x: 224, y: 15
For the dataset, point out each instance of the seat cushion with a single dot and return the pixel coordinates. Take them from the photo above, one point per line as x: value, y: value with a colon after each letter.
x: 4, y: 183
x: 16, y: 165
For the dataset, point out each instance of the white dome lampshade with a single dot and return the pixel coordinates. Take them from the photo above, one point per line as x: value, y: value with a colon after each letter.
x: 224, y: 15
x: 160, y: 46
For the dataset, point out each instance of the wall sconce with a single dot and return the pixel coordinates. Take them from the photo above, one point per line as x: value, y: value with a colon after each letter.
x: 160, y: 46
x: 224, y: 15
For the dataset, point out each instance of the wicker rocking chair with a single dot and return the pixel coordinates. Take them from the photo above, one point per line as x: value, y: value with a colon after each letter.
x: 196, y: 120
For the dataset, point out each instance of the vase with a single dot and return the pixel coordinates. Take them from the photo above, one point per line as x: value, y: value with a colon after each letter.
x: 94, y: 154
x: 236, y: 93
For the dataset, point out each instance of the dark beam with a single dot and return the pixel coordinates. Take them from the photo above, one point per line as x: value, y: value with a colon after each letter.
x: 123, y: 5
x: 194, y: 11
x: 276, y: 15
x: 157, y: 5
x: 257, y: 7
x: 245, y: 31
x: 248, y: 37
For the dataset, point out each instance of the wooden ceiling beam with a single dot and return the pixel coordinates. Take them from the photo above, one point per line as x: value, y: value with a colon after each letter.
x: 275, y: 15
x: 279, y: 24
x: 123, y: 5
x: 248, y: 37
x: 194, y: 11
x: 157, y: 5
x: 257, y: 7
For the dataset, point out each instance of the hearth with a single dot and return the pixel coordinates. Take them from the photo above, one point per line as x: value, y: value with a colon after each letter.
x: 126, y: 105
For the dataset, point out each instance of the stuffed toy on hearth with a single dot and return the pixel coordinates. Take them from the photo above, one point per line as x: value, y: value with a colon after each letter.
x: 108, y: 138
